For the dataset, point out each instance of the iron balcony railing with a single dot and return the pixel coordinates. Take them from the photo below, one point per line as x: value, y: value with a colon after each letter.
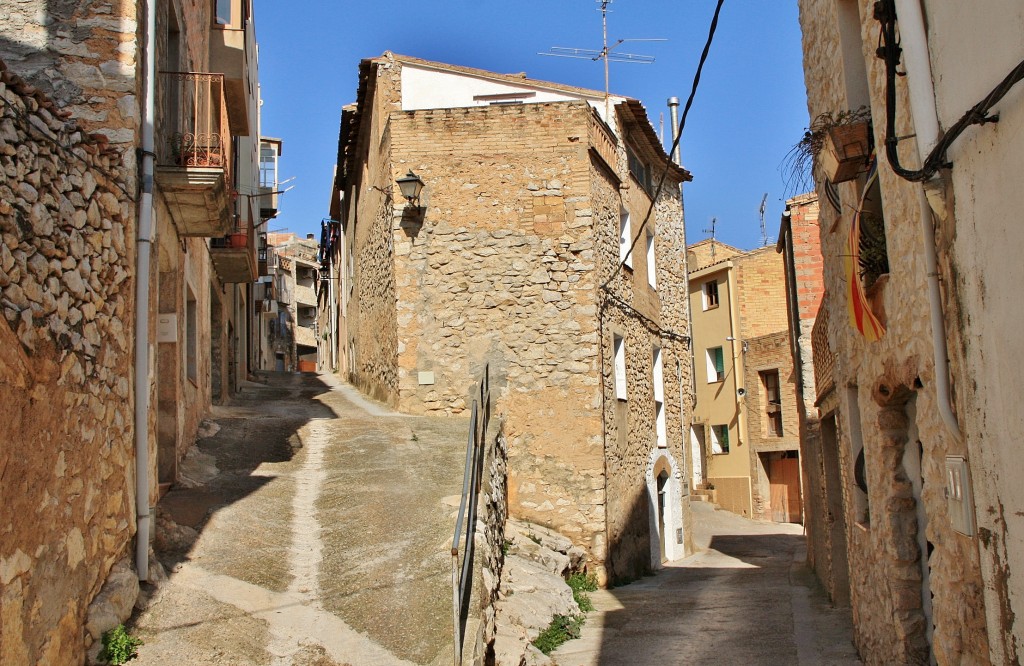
x: 194, y: 132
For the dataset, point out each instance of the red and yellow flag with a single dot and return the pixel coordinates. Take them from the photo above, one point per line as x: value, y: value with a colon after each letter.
x: 861, y: 316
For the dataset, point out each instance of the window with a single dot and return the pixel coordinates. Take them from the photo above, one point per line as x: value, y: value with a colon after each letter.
x: 652, y: 271
x: 625, y: 239
x: 191, y: 337
x: 719, y: 439
x: 619, y: 348
x: 773, y: 402
x: 222, y: 15
x: 709, y: 294
x: 716, y: 365
x: 639, y: 169
x: 659, y: 397
x: 268, y: 165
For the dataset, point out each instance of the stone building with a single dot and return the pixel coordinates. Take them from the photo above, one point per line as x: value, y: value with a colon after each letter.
x: 744, y: 438
x: 919, y: 337
x: 540, y: 245
x: 126, y: 129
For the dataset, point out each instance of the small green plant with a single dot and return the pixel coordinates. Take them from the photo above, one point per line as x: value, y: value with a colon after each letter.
x: 561, y: 629
x: 415, y: 437
x: 580, y: 583
x: 506, y: 546
x: 119, y: 646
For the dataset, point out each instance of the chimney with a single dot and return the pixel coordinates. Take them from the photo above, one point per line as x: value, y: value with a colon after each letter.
x: 673, y: 105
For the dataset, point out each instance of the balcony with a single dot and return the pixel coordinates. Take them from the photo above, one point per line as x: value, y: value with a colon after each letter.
x: 193, y: 153
x: 234, y: 255
x: 270, y: 152
x: 230, y: 44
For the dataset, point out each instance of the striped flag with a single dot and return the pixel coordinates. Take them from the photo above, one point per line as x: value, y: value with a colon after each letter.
x: 861, y: 316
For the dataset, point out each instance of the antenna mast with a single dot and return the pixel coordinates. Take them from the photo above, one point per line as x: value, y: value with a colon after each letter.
x: 714, y: 224
x: 606, y: 53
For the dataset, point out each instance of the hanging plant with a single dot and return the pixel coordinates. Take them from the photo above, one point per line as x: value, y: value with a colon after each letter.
x: 873, y: 259
x: 798, y: 165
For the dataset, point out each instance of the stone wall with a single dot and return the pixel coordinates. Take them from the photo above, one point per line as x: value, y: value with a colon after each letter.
x: 497, y: 272
x: 372, y: 318
x: 644, y: 318
x: 84, y: 56
x: 887, y: 397
x: 67, y: 300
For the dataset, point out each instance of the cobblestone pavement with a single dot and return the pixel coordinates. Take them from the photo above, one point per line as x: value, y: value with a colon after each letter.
x: 748, y: 599
x: 324, y: 539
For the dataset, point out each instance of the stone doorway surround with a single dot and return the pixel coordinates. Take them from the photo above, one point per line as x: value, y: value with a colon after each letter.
x: 661, y: 460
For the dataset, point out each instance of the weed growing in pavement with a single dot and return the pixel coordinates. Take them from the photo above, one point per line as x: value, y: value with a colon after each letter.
x: 561, y: 629
x: 415, y: 437
x: 580, y: 583
x: 119, y: 646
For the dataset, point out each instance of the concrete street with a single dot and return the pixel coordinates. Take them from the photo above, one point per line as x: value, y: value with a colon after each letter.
x: 324, y: 539
x: 748, y: 599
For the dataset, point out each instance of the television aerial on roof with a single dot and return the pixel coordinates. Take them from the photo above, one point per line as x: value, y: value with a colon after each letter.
x: 606, y: 53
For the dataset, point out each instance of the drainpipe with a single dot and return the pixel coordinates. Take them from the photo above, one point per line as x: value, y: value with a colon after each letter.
x: 914, y: 40
x: 143, y: 248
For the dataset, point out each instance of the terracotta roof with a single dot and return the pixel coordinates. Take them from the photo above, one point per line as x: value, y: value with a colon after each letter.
x: 641, y: 122
x: 707, y: 241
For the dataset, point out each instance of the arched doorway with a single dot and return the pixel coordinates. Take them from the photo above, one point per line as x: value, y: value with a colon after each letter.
x: 664, y: 484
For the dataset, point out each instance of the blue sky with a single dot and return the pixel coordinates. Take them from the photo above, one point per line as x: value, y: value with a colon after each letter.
x: 750, y: 106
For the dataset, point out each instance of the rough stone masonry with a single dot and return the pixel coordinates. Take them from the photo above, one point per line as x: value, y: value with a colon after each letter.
x: 66, y: 296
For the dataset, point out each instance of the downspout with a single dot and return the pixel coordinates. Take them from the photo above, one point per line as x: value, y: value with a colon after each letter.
x: 914, y: 40
x: 143, y: 248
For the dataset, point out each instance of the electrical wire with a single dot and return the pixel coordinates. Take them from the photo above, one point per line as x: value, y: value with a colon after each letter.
x: 889, y: 50
x: 675, y: 142
x: 651, y: 325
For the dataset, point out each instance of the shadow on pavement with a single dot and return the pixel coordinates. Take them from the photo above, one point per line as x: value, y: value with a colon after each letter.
x: 258, y: 429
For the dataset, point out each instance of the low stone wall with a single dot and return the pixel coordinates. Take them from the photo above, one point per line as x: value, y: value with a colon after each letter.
x: 65, y: 373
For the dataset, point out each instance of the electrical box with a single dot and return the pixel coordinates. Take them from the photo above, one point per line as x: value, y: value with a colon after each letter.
x: 426, y: 377
x: 959, y: 495
x: 167, y: 328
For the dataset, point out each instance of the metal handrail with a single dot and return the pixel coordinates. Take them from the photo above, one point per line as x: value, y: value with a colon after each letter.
x: 194, y: 130
x: 461, y: 576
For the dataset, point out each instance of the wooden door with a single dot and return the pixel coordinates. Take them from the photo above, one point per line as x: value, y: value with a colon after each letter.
x: 784, y: 481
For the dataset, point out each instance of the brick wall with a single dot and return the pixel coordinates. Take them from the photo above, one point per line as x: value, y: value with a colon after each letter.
x: 766, y: 354
x: 760, y: 293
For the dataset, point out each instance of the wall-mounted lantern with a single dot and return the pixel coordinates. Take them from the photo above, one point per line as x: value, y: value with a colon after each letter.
x: 411, y: 185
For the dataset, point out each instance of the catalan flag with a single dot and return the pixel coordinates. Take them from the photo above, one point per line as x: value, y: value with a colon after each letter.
x: 861, y: 316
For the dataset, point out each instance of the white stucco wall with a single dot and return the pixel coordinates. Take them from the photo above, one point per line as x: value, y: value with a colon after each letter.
x: 425, y: 88
x: 971, y: 51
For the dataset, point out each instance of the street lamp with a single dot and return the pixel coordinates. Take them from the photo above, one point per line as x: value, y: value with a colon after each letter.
x: 411, y: 185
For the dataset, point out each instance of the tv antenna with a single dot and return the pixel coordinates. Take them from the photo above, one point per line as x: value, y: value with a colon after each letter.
x: 714, y: 224
x: 607, y: 53
x: 764, y: 229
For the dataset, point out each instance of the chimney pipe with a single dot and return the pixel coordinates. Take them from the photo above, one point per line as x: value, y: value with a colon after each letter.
x: 673, y: 105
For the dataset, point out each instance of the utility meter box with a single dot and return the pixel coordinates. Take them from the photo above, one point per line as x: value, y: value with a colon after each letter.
x: 167, y: 328
x: 959, y: 495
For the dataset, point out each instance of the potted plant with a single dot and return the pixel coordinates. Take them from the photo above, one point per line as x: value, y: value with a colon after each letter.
x: 839, y: 142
